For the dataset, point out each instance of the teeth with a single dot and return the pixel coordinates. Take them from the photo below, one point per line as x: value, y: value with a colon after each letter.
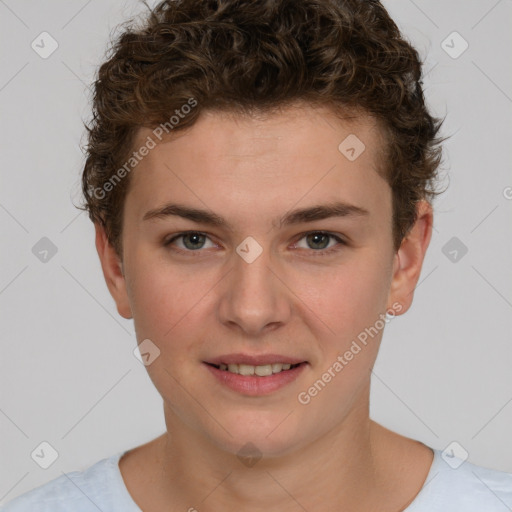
x: 233, y: 368
x: 246, y: 369
x: 262, y: 370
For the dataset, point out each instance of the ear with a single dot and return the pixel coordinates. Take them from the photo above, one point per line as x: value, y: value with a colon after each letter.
x: 409, y: 258
x: 113, y: 272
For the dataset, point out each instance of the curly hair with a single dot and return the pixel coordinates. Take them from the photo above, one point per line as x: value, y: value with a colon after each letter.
x: 257, y: 56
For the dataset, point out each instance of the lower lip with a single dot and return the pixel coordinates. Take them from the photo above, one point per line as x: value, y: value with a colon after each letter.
x: 253, y: 385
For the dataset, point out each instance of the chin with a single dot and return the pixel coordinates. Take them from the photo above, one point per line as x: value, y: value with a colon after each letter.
x: 255, y: 436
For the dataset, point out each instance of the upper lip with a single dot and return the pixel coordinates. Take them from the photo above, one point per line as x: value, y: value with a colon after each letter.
x: 254, y: 360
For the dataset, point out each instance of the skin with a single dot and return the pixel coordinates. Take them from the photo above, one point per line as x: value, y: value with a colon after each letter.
x: 328, y: 454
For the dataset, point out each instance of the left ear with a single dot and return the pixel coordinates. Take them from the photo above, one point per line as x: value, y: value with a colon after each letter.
x: 409, y: 258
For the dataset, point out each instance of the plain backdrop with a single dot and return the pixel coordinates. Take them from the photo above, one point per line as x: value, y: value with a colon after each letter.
x: 68, y: 373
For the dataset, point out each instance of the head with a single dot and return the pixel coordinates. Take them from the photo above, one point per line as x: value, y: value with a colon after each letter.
x: 250, y: 111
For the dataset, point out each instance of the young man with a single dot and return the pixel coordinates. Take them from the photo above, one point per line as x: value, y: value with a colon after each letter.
x: 259, y: 175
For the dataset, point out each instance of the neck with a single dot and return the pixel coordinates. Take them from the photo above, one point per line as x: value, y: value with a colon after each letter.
x: 345, y: 463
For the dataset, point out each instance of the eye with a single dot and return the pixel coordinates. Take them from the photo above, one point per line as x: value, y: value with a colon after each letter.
x: 318, y: 241
x: 192, y: 241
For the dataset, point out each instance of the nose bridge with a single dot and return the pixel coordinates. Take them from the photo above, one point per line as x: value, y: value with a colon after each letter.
x: 254, y: 297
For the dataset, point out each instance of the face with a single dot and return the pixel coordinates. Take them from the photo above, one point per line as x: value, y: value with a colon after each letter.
x: 265, y: 273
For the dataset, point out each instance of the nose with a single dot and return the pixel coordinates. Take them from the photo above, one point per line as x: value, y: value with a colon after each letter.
x: 254, y: 298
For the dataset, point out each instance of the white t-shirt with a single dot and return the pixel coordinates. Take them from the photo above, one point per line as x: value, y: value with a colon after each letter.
x: 469, y: 488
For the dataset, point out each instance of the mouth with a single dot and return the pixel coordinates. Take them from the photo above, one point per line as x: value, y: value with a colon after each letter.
x: 264, y: 370
x: 255, y: 375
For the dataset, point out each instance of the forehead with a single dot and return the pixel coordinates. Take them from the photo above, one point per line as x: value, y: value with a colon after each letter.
x: 264, y: 163
x: 221, y: 133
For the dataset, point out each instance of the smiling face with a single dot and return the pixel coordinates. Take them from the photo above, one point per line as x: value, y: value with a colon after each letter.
x: 256, y: 277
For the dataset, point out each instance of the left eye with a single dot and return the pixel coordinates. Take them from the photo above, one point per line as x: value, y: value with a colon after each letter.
x: 317, y: 241
x: 321, y: 238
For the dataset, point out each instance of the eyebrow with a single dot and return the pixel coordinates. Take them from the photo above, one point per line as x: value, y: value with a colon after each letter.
x: 299, y: 216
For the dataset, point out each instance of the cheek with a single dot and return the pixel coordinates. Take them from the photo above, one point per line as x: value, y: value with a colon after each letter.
x: 161, y: 299
x: 350, y: 301
x: 173, y: 308
x: 165, y: 304
x: 348, y: 297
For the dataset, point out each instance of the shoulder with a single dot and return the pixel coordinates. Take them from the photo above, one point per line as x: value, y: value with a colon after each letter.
x: 456, y: 485
x: 99, y: 487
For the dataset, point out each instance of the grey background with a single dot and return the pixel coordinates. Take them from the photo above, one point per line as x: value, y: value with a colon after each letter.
x: 68, y: 373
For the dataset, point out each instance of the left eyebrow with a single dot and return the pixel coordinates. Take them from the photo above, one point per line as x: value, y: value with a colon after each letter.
x: 324, y: 211
x: 298, y: 216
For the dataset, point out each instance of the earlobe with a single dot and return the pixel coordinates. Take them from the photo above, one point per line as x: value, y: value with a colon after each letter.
x: 409, y: 258
x: 113, y: 272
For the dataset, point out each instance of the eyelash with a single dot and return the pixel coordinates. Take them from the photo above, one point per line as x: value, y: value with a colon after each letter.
x: 321, y: 252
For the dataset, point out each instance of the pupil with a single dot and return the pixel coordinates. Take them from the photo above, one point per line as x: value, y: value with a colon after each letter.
x: 321, y: 235
x: 192, y: 236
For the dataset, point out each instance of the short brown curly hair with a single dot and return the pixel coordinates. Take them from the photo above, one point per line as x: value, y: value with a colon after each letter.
x: 250, y: 56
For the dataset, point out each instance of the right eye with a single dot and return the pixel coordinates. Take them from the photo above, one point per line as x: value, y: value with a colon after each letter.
x: 192, y: 241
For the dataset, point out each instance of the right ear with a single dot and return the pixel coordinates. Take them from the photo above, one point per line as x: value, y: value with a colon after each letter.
x: 113, y: 272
